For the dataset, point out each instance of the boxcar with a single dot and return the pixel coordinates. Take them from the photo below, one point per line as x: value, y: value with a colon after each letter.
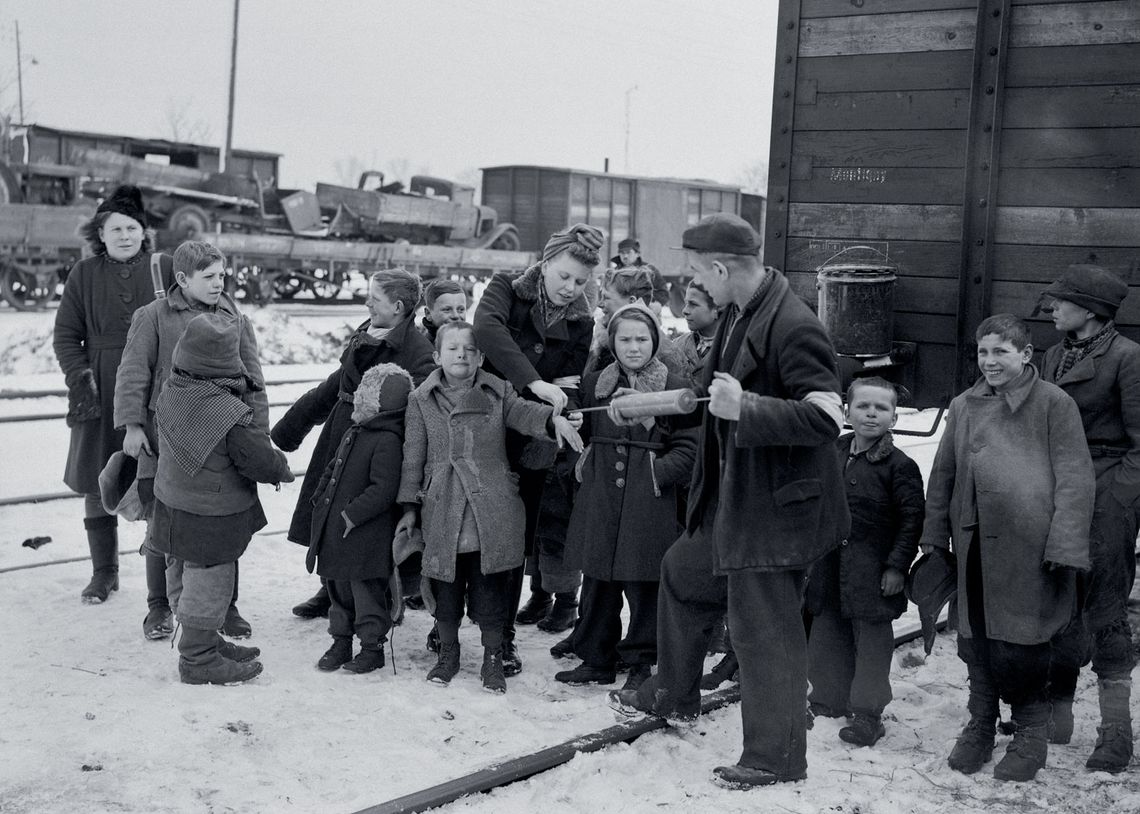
x: 543, y: 200
x: 982, y: 146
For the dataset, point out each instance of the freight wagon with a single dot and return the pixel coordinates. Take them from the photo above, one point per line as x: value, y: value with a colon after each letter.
x: 979, y: 147
x: 542, y: 200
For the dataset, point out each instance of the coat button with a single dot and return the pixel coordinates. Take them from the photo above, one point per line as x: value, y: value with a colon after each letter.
x: 620, y: 449
x: 339, y: 461
x: 843, y: 543
x: 127, y: 296
x: 124, y: 274
x: 853, y: 481
x: 539, y: 348
x: 619, y: 466
x: 620, y: 483
x: 332, y: 481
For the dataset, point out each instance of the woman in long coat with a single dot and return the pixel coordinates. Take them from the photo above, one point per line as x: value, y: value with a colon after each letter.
x: 100, y: 297
x: 389, y: 335
x: 534, y: 328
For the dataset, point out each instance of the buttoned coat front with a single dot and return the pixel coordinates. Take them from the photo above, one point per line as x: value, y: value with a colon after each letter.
x: 457, y: 457
x: 1014, y: 470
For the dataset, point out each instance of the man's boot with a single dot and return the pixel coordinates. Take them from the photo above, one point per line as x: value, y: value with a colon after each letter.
x: 1026, y: 753
x: 1113, y: 749
x: 446, y: 664
x: 562, y: 614
x: 536, y: 607
x: 975, y: 745
x: 199, y: 661
x: 315, y: 606
x: 1060, y: 720
x: 159, y: 622
x: 103, y: 542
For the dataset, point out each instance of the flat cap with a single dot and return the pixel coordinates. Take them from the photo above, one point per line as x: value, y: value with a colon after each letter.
x: 722, y: 232
x: 1091, y: 287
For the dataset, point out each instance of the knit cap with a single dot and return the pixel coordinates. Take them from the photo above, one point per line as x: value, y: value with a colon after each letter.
x: 382, y: 388
x: 210, y: 347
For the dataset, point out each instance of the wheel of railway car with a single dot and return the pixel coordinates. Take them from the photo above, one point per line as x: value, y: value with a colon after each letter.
x: 188, y: 222
x: 326, y: 284
x: 507, y: 242
x: 287, y: 286
x: 22, y: 291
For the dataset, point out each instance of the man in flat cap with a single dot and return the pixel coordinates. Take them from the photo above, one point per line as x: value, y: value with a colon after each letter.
x: 629, y: 256
x: 766, y: 501
x: 1100, y: 370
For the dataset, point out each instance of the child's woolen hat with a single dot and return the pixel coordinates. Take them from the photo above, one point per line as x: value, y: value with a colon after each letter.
x: 210, y: 347
x: 383, y: 388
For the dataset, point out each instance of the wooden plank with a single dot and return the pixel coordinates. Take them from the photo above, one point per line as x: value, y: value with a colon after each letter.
x: 1037, y: 263
x: 933, y: 373
x: 1079, y: 65
x: 875, y: 221
x: 846, y: 8
x: 1066, y: 226
x: 913, y: 258
x: 1080, y: 23
x: 1069, y: 187
x: 886, y: 110
x: 944, y: 30
x: 930, y: 70
x: 882, y: 148
x: 1092, y: 106
x: 880, y: 185
x: 1070, y: 147
x: 938, y: 329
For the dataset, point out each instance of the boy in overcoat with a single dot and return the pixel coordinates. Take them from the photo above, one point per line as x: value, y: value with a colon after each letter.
x: 1011, y: 489
x: 354, y: 518
x: 389, y: 335
x: 855, y: 591
x: 211, y: 458
x: 457, y: 485
x: 1100, y: 370
x: 199, y: 275
x: 625, y: 511
x: 766, y: 501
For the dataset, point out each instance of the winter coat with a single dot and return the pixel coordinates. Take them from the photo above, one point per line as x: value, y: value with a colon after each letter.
x: 884, y: 496
x: 457, y: 457
x: 1015, y: 470
x: 361, y: 481
x: 1106, y: 387
x: 210, y: 517
x: 145, y: 366
x: 625, y: 512
x: 330, y: 403
x: 779, y: 494
x: 693, y: 363
x: 91, y: 328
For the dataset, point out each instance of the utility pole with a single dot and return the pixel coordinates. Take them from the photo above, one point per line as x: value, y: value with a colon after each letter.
x: 19, y: 72
x: 628, y: 94
x: 233, y: 81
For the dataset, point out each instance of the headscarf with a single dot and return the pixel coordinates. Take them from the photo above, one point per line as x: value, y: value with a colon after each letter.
x: 589, y: 237
x: 651, y: 377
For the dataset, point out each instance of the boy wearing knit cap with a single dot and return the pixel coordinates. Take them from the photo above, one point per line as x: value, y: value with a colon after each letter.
x: 211, y: 457
x: 1100, y: 370
x: 354, y: 519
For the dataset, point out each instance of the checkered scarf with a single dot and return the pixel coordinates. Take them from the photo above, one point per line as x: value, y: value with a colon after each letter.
x: 194, y: 415
x: 1077, y: 349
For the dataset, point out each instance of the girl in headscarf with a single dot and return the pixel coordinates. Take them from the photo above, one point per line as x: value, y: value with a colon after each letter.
x: 625, y: 515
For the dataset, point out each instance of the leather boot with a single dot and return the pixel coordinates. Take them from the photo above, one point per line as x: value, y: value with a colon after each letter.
x: 235, y: 652
x: 561, y: 616
x: 1060, y: 720
x: 492, y: 671
x: 159, y: 623
x: 340, y: 653
x: 199, y: 661
x: 536, y: 608
x: 723, y: 671
x: 1026, y: 753
x: 235, y: 626
x: 370, y: 657
x: 446, y: 665
x: 1113, y: 749
x: 315, y: 606
x: 103, y: 542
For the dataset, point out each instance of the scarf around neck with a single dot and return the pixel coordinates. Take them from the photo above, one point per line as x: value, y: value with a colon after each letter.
x: 1077, y: 349
x: 650, y: 379
x: 195, y: 414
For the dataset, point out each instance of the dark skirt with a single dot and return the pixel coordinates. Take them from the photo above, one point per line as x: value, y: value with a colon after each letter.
x: 204, y: 539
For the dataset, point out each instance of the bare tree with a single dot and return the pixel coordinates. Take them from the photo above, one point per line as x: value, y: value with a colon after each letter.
x: 179, y: 124
x: 753, y: 178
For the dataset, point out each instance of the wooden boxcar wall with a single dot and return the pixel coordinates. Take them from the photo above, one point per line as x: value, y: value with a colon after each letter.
x: 983, y: 146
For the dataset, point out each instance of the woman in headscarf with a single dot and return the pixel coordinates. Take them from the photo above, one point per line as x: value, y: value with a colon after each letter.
x: 100, y: 297
x: 534, y: 328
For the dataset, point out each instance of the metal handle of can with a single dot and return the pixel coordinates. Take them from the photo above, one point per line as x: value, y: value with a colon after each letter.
x: 851, y: 249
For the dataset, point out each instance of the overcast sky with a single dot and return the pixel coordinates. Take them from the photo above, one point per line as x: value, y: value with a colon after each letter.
x: 442, y: 87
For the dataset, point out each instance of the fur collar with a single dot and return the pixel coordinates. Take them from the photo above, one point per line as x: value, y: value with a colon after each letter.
x: 652, y: 377
x: 879, y: 451
x: 526, y: 286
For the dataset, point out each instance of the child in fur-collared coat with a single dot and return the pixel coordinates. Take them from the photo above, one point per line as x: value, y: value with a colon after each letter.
x: 354, y: 518
x: 457, y: 483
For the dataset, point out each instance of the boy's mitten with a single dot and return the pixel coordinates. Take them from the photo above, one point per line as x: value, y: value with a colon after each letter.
x: 82, y: 397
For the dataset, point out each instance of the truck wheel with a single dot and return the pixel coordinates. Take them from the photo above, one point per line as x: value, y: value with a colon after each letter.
x: 326, y: 284
x: 287, y: 286
x: 188, y: 222
x: 508, y: 242
x: 22, y: 291
x: 9, y: 186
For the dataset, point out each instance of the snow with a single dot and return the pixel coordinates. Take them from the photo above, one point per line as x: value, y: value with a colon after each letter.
x: 93, y: 717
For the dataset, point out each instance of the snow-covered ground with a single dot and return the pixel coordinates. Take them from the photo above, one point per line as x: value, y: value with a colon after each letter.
x: 93, y: 719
